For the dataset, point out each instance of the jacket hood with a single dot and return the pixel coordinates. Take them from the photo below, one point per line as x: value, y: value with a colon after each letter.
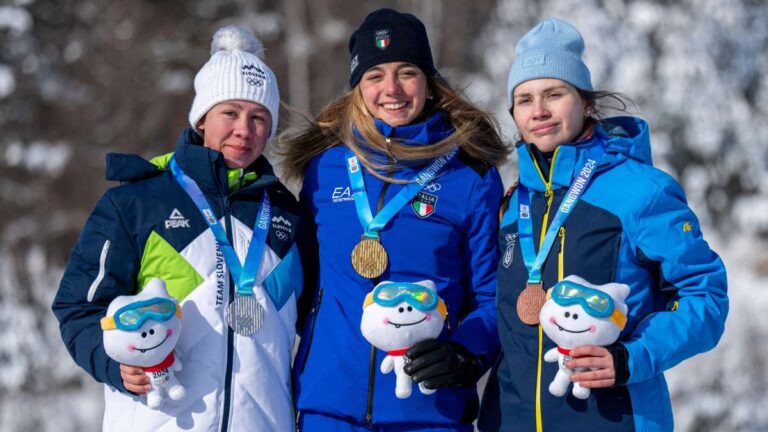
x: 205, y: 165
x: 623, y: 138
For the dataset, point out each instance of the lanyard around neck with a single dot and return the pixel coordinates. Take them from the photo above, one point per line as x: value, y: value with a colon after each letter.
x: 372, y: 225
x: 244, y: 275
x: 534, y: 261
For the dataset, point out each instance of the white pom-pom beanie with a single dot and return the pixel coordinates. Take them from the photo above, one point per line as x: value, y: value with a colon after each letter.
x: 236, y: 71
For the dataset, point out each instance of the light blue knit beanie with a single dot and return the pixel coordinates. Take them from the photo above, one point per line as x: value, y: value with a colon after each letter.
x: 552, y: 49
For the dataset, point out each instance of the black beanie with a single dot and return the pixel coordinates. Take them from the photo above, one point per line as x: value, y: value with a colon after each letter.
x: 386, y: 36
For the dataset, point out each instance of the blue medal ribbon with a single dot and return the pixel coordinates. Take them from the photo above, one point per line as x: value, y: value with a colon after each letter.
x: 372, y: 225
x: 534, y: 261
x: 244, y: 275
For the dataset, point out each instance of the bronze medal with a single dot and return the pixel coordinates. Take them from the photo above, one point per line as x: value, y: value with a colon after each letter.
x: 369, y: 258
x: 529, y: 303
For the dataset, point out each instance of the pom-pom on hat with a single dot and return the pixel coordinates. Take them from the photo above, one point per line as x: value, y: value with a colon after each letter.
x: 235, y: 71
x: 552, y: 49
x: 386, y: 36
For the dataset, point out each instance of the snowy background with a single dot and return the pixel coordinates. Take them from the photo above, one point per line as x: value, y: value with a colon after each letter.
x: 81, y: 78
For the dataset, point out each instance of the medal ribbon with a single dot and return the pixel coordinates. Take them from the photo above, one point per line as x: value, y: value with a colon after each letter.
x: 372, y: 225
x: 244, y: 275
x: 534, y: 261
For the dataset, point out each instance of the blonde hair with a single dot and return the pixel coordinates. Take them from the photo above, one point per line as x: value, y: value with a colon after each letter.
x: 346, y: 121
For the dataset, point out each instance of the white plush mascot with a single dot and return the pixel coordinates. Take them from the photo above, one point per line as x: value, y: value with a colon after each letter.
x: 396, y: 315
x: 142, y: 330
x: 579, y: 313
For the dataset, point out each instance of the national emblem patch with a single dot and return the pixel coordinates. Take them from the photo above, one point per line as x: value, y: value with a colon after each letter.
x: 424, y: 204
x: 382, y: 39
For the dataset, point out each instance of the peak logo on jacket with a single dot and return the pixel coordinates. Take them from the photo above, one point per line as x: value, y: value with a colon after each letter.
x: 176, y: 220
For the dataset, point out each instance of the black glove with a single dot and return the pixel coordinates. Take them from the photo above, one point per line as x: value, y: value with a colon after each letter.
x: 441, y: 364
x: 620, y: 362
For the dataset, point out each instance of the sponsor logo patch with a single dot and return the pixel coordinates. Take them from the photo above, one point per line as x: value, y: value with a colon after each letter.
x: 342, y: 194
x: 176, y: 220
x: 424, y: 204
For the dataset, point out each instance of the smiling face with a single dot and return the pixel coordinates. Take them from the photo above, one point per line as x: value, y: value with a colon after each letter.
x: 394, y: 92
x: 399, y: 326
x: 548, y: 112
x: 151, y: 343
x: 238, y: 129
x: 570, y: 326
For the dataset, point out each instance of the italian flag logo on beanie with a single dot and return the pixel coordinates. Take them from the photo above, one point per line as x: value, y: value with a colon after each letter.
x: 382, y: 39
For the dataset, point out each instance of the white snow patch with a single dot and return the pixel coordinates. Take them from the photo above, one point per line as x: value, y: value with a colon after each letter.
x: 176, y: 82
x: 16, y: 19
x: 7, y: 81
x: 39, y: 156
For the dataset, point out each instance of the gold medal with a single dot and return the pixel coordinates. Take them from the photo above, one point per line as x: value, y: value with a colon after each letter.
x: 529, y: 303
x: 369, y: 258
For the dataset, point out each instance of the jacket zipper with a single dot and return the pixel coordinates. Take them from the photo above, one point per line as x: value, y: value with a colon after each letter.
x: 230, y: 333
x: 372, y: 360
x: 315, y: 311
x: 550, y: 196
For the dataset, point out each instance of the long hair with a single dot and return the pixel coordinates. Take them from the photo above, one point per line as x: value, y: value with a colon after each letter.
x: 602, y: 100
x: 346, y: 121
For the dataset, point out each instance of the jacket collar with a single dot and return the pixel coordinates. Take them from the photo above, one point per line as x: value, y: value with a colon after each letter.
x: 430, y: 131
x: 207, y: 166
x: 622, y: 138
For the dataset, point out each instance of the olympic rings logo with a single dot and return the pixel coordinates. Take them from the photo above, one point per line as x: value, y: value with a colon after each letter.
x: 433, y: 187
x: 254, y: 82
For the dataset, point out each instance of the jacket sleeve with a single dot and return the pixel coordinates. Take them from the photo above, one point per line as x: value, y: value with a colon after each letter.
x: 668, y: 234
x: 308, y: 247
x: 477, y: 330
x: 102, y: 266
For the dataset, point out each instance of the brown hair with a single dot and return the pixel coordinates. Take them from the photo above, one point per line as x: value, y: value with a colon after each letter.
x: 346, y: 121
x: 602, y: 100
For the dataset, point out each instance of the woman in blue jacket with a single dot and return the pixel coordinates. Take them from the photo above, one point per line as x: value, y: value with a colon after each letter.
x: 589, y: 203
x: 425, y: 162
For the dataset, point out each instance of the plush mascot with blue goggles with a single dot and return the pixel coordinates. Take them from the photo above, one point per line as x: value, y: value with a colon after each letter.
x: 579, y: 313
x: 396, y: 315
x: 142, y: 330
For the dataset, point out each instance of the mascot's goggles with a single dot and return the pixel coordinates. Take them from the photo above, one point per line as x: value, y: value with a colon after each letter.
x: 132, y: 316
x: 595, y: 302
x: 418, y: 296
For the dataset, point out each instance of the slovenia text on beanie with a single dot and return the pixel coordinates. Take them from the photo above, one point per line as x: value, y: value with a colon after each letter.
x: 235, y: 71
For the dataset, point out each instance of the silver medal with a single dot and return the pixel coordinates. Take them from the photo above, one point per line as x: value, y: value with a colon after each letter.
x: 245, y: 315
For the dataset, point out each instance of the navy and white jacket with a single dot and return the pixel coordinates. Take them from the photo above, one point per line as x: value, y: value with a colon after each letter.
x: 451, y: 243
x: 149, y: 227
x: 632, y: 226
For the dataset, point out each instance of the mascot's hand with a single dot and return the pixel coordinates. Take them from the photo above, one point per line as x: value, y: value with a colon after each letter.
x: 134, y: 379
x: 442, y: 364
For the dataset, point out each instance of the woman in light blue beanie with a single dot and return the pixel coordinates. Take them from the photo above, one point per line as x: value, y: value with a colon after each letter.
x: 589, y: 204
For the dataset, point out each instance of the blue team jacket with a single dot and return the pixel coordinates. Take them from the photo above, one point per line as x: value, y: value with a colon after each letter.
x: 453, y: 245
x: 632, y: 226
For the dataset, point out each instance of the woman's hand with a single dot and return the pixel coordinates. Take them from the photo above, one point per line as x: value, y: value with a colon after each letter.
x: 598, y: 360
x: 134, y: 379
